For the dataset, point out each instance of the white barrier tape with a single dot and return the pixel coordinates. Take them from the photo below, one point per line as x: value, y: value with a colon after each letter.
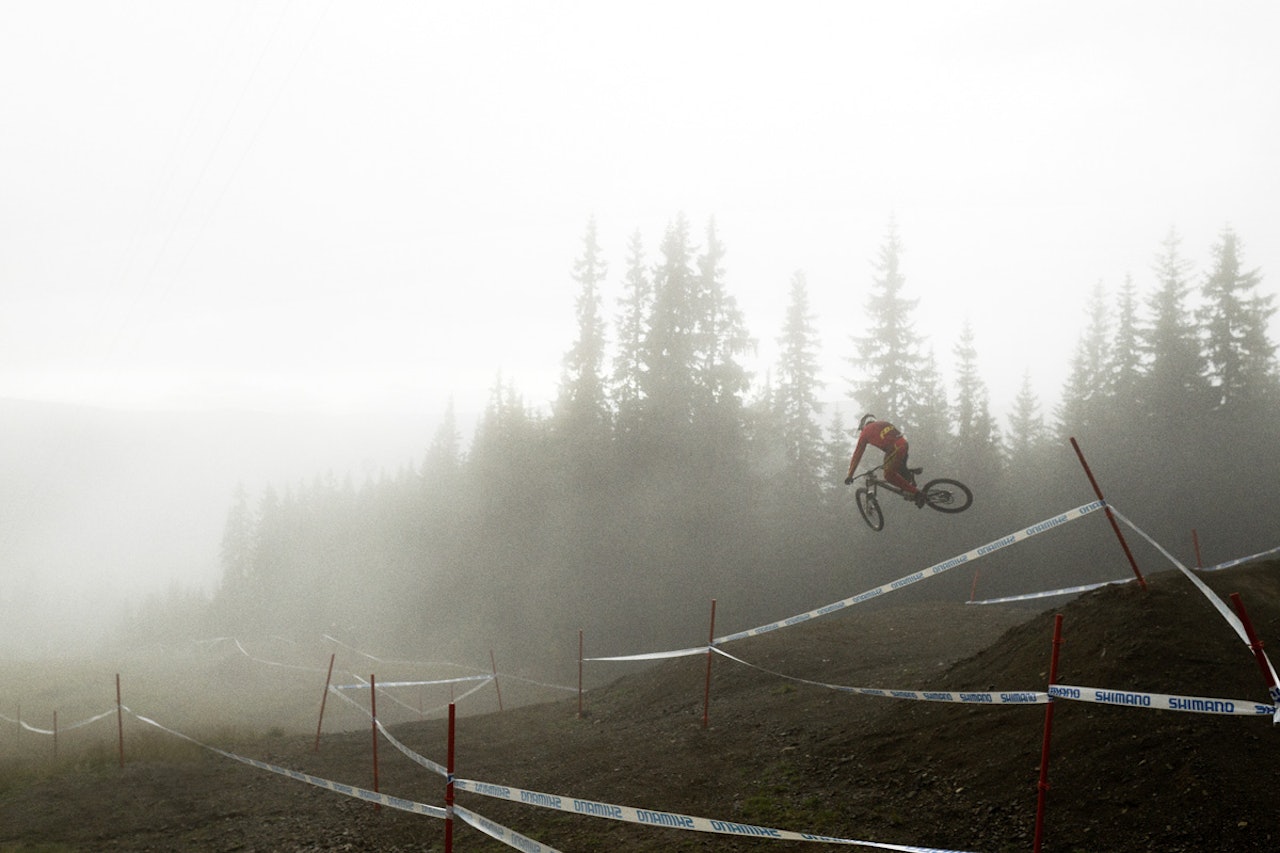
x: 420, y: 760
x: 1071, y: 590
x: 364, y: 685
x: 276, y: 663
x: 396, y: 660
x: 482, y: 681
x: 24, y: 725
x: 1218, y: 603
x: 498, y: 832
x: 1010, y: 697
x: 1240, y: 560
x: 670, y: 820
x: 678, y: 653
x: 416, y: 758
x: 563, y: 687
x: 337, y: 787
x: 936, y: 569
x: 1161, y: 701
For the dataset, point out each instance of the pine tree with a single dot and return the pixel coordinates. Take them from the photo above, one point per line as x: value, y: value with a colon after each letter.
x: 1028, y: 436
x: 977, y: 436
x: 237, y: 549
x: 796, y: 397
x: 887, y: 357
x: 670, y: 349
x: 721, y: 330
x: 632, y: 326
x: 927, y: 419
x: 1125, y: 370
x: 1084, y: 399
x: 1241, y: 358
x: 1174, y: 383
x: 583, y: 408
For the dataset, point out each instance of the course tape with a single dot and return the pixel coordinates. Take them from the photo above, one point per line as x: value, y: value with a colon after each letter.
x: 1218, y: 603
x: 1010, y: 697
x: 908, y: 580
x: 353, y: 791
x: 481, y: 682
x: 671, y: 820
x: 1071, y: 590
x: 275, y: 662
x: 1162, y: 701
x: 27, y: 727
x: 497, y: 831
x: 1240, y: 560
x: 364, y: 685
x: 352, y: 648
x: 421, y: 760
x: 936, y: 569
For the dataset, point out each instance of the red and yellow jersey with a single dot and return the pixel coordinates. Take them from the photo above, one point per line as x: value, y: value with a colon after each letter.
x: 879, y: 434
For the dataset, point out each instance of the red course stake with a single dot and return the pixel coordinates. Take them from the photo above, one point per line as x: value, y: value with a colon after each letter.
x: 1110, y: 515
x: 323, y: 696
x: 706, y: 693
x: 1043, y: 784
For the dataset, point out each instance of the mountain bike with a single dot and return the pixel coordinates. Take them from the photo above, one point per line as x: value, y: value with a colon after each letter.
x: 943, y: 494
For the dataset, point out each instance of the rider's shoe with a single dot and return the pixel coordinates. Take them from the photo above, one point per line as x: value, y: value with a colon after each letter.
x: 920, y: 499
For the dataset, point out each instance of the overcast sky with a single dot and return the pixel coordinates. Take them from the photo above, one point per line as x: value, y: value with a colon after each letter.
x: 339, y: 204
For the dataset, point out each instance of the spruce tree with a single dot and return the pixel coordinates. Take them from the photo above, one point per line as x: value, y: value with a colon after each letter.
x: 583, y: 409
x: 632, y: 325
x: 796, y: 396
x: 1081, y: 411
x: 1028, y: 437
x: 670, y: 348
x: 887, y: 355
x: 1126, y: 351
x: 721, y: 335
x: 977, y: 436
x: 1241, y: 358
x: 1174, y: 383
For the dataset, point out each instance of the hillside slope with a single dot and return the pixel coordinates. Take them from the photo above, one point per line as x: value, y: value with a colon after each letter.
x: 782, y: 753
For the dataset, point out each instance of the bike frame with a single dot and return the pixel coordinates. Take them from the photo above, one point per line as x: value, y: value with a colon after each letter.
x: 874, y: 482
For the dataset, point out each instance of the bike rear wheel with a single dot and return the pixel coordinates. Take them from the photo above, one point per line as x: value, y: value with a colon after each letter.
x: 870, y: 509
x: 947, y: 495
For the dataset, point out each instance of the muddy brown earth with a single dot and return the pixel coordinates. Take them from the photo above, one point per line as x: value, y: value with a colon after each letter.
x: 776, y: 752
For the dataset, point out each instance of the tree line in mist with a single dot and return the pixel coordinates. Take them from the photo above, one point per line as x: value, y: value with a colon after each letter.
x: 663, y: 478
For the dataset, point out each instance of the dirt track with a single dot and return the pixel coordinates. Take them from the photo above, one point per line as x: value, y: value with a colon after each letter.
x: 778, y: 752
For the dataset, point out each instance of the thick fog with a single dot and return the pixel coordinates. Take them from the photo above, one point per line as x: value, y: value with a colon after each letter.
x: 264, y: 246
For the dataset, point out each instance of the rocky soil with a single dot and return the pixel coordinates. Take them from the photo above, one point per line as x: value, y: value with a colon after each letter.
x: 777, y: 752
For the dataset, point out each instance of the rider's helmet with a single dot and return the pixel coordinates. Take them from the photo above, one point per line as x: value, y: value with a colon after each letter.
x: 866, y: 419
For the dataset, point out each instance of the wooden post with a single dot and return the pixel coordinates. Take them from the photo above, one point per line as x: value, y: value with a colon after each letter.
x: 119, y: 720
x: 579, y: 673
x: 1043, y: 785
x: 493, y: 664
x: 373, y: 711
x: 324, y: 696
x: 1256, y: 645
x: 1110, y: 516
x: 448, y: 786
x: 706, y: 693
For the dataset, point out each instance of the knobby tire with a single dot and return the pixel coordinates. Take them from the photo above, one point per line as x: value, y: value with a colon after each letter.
x: 947, y: 495
x: 870, y: 509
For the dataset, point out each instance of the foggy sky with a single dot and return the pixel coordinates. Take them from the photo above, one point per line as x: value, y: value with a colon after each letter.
x: 367, y: 208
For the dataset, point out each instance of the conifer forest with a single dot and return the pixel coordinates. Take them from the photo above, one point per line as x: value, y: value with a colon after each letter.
x: 665, y: 474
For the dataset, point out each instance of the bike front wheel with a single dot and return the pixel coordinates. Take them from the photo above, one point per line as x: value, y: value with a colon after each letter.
x: 870, y: 509
x: 946, y: 495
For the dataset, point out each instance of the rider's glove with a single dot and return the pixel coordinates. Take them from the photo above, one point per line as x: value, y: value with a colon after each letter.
x: 848, y: 481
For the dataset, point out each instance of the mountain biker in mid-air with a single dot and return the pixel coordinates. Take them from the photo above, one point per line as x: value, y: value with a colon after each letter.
x: 887, y: 438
